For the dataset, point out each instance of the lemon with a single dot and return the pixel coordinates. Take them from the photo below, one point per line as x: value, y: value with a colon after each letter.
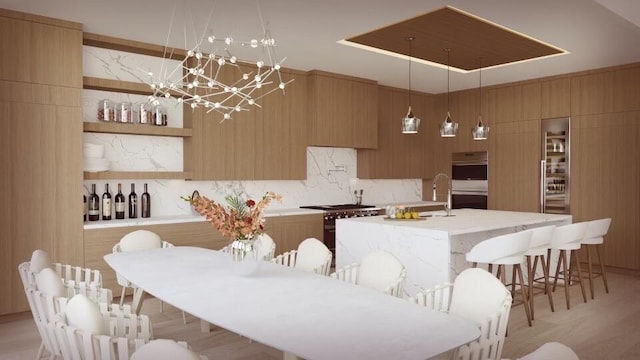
x: 415, y: 215
x: 407, y: 215
x: 399, y: 215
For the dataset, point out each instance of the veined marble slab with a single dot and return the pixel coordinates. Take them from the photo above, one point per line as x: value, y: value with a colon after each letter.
x: 432, y: 250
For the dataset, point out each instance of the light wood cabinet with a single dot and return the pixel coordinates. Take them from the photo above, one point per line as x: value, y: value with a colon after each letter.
x: 286, y: 231
x: 398, y: 156
x: 606, y: 91
x: 555, y: 98
x: 40, y: 146
x: 343, y: 111
x: 265, y: 143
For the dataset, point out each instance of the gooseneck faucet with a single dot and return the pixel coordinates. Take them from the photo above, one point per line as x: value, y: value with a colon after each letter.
x: 435, y: 196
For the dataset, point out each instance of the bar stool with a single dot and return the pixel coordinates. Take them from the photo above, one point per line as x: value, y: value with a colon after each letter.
x: 505, y: 250
x: 596, y: 232
x: 540, y: 239
x: 568, y: 238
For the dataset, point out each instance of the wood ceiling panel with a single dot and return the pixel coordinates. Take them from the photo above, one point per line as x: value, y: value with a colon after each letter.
x: 469, y: 38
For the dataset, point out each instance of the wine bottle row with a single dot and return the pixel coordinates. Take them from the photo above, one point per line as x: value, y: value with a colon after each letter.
x: 96, y: 208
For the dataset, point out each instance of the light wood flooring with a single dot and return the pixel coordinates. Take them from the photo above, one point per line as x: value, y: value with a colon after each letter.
x: 605, y: 328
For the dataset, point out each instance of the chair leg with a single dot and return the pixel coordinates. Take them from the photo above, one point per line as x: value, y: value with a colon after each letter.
x: 562, y: 260
x: 604, y: 274
x: 530, y: 275
x: 513, y: 280
x: 518, y: 270
x: 545, y: 272
x: 589, y: 268
x: 491, y: 268
x: 575, y: 257
x: 122, y: 295
x: 474, y: 264
x: 40, y: 351
x: 558, y: 265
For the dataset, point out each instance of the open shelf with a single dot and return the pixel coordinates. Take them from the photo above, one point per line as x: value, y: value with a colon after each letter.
x: 135, y: 129
x: 128, y: 87
x: 134, y: 175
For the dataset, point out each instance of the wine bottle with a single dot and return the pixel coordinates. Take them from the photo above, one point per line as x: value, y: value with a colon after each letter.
x: 84, y: 200
x: 94, y: 204
x: 119, y: 203
x: 133, y: 203
x: 106, y: 203
x: 146, y: 203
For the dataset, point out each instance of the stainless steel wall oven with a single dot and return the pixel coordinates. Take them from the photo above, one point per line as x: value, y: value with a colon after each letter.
x: 470, y: 184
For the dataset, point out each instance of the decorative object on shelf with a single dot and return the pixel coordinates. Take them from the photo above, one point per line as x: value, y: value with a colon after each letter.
x: 480, y: 131
x: 106, y: 111
x: 448, y: 128
x: 410, y: 123
x: 203, y: 83
x: 241, y: 221
x: 94, y: 160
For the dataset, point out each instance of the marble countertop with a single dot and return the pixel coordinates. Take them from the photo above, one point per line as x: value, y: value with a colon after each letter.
x: 174, y: 219
x: 466, y: 221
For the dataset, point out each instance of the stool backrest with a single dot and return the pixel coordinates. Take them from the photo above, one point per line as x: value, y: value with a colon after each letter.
x: 568, y: 234
x: 597, y: 228
x: 501, y: 246
x: 541, y: 236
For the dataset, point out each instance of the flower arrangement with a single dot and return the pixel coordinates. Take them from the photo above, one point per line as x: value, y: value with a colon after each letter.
x: 242, y: 219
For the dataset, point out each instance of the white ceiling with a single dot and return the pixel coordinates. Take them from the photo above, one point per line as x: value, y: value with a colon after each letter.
x: 597, y: 34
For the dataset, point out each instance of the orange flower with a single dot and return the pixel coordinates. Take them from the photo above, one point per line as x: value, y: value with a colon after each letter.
x: 242, y: 219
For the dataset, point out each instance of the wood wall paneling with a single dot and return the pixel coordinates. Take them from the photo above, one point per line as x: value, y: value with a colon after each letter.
x: 555, y: 98
x: 605, y: 164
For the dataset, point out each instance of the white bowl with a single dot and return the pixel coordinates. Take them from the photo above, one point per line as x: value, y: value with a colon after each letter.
x: 93, y: 150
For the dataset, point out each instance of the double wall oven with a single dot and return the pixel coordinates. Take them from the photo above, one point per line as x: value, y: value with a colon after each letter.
x: 333, y: 212
x: 469, y: 185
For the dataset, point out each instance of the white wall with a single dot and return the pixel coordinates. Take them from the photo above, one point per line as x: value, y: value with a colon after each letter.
x: 331, y: 172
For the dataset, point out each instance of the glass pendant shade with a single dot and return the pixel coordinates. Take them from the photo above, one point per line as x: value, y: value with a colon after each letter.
x: 410, y: 123
x: 448, y: 128
x: 480, y: 131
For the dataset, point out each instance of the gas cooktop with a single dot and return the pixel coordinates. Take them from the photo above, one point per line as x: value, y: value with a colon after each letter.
x: 337, y: 207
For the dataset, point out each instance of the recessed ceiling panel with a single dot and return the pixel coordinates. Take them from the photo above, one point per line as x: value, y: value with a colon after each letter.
x: 473, y: 42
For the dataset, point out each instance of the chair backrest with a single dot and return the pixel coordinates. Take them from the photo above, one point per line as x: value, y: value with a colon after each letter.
x: 39, y: 260
x: 312, y: 254
x: 164, y: 349
x: 140, y: 240
x: 84, y: 314
x: 597, y: 229
x: 480, y: 297
x: 379, y: 270
x: 541, y: 236
x: 568, y: 235
x: 551, y: 350
x: 266, y: 247
x: 500, y: 247
x: 50, y: 283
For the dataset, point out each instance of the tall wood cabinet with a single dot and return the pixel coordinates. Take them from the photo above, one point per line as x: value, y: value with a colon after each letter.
x: 40, y: 145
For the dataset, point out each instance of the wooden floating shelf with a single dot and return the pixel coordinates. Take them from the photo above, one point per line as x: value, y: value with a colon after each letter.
x: 128, y: 87
x: 134, y: 175
x: 137, y: 47
x: 135, y: 129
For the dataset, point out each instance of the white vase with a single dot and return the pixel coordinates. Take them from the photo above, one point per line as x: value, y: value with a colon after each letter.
x: 244, y: 255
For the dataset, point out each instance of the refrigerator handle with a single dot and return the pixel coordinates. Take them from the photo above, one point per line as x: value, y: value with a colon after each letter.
x: 543, y: 181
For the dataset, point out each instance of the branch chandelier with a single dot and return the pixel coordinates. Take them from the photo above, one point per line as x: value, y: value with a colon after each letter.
x: 209, y: 62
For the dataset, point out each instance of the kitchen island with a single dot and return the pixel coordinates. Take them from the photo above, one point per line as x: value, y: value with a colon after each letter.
x: 433, y: 247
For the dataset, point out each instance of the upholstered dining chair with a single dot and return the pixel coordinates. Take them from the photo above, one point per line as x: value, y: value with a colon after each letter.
x: 136, y: 241
x: 165, y: 349
x: 311, y: 255
x: 379, y: 270
x: 551, y: 351
x: 478, y: 296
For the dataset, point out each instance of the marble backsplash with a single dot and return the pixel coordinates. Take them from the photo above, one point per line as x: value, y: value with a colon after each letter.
x: 331, y: 172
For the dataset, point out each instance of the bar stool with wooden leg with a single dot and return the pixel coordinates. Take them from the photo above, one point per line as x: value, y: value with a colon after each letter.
x: 594, y: 237
x: 540, y: 239
x: 505, y: 250
x: 568, y: 238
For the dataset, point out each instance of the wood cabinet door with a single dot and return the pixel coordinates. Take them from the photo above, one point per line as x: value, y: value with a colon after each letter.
x: 289, y: 231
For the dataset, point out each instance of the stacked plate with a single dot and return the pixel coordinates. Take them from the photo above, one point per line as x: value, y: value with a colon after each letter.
x: 94, y: 160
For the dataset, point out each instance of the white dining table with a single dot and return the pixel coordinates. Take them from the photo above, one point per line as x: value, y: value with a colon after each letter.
x: 301, y: 313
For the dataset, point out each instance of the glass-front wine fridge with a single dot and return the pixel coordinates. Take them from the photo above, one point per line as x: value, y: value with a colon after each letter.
x: 555, y: 166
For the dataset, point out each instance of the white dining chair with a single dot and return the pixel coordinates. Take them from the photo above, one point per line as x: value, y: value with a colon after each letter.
x: 70, y: 274
x: 505, y: 250
x: 165, y: 349
x: 83, y: 331
x: 136, y: 241
x: 477, y: 296
x: 311, y: 255
x: 379, y: 270
x: 551, y: 351
x: 594, y: 237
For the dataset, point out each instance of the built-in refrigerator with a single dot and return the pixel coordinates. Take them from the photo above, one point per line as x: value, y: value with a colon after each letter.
x: 555, y: 166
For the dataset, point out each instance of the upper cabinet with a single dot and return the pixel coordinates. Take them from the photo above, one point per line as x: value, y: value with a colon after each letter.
x: 266, y: 143
x: 343, y: 111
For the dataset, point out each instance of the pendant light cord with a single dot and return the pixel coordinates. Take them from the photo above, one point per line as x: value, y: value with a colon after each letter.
x: 480, y: 99
x: 410, y: 53
x: 448, y: 62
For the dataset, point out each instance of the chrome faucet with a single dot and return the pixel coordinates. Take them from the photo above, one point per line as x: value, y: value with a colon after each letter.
x: 447, y: 207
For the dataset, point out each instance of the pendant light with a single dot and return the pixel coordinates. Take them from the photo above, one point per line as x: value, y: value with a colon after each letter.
x: 480, y: 131
x: 410, y: 123
x: 448, y: 128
